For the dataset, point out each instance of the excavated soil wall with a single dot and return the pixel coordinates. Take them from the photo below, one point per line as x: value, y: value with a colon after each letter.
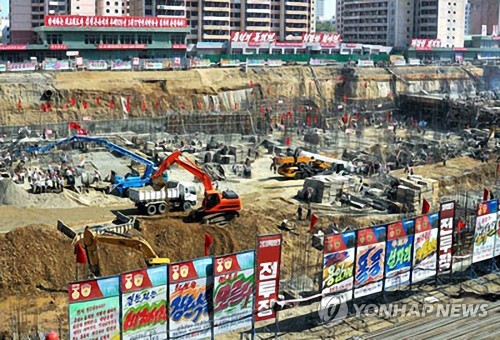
x: 202, y: 90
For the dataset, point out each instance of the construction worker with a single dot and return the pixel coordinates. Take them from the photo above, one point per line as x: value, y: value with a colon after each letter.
x: 299, y: 213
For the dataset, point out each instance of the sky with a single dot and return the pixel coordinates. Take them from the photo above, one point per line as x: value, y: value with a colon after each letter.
x: 5, y: 7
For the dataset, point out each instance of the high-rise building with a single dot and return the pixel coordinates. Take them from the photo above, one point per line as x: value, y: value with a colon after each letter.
x: 395, y: 22
x: 112, y: 7
x: 467, y: 17
x: 83, y: 7
x: 320, y: 9
x: 215, y: 20
x: 484, y: 12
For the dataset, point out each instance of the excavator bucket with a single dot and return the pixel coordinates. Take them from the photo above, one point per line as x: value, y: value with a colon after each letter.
x: 158, y: 183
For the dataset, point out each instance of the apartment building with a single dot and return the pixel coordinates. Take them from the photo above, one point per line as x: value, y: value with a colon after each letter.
x: 484, y: 12
x: 83, y: 7
x: 215, y: 20
x: 395, y: 22
x: 111, y: 7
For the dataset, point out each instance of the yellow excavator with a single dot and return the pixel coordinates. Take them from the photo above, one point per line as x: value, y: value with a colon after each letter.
x: 91, y: 239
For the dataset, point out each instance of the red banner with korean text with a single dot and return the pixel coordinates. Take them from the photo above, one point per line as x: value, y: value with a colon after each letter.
x: 114, y: 22
x: 268, y: 275
x: 446, y: 217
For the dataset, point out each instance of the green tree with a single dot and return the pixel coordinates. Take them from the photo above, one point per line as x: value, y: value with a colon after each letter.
x: 325, y: 27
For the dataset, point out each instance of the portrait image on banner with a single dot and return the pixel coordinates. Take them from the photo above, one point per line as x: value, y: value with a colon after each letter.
x: 338, y: 265
x: 399, y: 251
x: 484, y: 235
x: 94, y: 309
x: 370, y: 258
x: 268, y: 275
x: 144, y: 303
x: 188, y: 301
x: 425, y: 246
x: 234, y: 280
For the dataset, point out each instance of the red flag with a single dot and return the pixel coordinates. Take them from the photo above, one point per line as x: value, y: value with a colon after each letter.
x: 342, y: 79
x: 426, y: 207
x: 143, y: 106
x: 251, y: 83
x: 290, y: 115
x: 44, y: 107
x: 308, y: 120
x: 314, y: 220
x: 157, y: 105
x: 19, y: 105
x: 49, y: 107
x: 460, y: 226
x: 200, y: 106
x: 287, y: 141
x: 208, y: 242
x: 73, y: 101
x: 345, y: 118
x: 111, y: 104
x: 98, y: 101
x: 262, y: 111
x: 81, y: 254
x: 345, y: 98
x: 128, y: 100
x: 236, y: 106
x: 82, y: 132
x: 74, y: 126
x: 486, y: 194
x: 85, y: 105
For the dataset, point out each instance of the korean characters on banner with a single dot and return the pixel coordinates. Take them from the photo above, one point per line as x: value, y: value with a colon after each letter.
x: 370, y: 258
x: 233, y: 291
x: 94, y: 309
x: 338, y: 265
x: 484, y: 236
x: 268, y: 276
x: 188, y: 317
x: 425, y: 247
x: 144, y: 304
x: 496, y: 251
x: 399, y: 253
x: 446, y: 217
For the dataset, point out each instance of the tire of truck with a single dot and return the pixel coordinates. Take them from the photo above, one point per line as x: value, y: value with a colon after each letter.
x: 162, y: 208
x: 151, y: 209
x: 186, y: 206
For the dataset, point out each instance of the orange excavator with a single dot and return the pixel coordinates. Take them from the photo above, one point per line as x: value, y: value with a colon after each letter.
x: 217, y: 207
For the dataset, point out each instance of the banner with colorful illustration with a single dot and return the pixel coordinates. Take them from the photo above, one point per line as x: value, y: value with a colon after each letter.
x: 94, y: 309
x: 55, y: 65
x: 229, y: 63
x: 188, y: 315
x: 398, y: 257
x: 233, y: 291
x: 446, y: 218
x: 484, y: 236
x: 97, y: 65
x: 21, y: 67
x: 119, y: 65
x: 274, y: 62
x: 268, y: 275
x: 338, y: 264
x: 152, y: 65
x: 144, y: 304
x: 370, y: 258
x: 496, y: 251
x: 425, y: 247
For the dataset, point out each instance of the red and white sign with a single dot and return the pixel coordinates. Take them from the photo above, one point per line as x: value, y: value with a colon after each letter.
x: 446, y: 217
x: 15, y: 47
x: 113, y: 22
x: 120, y: 46
x: 268, y: 275
x: 253, y: 38
x: 288, y: 44
x: 58, y: 47
x: 136, y: 61
x: 425, y: 44
x: 459, y: 49
x: 324, y: 39
x: 179, y: 46
x: 79, y: 61
x: 87, y: 118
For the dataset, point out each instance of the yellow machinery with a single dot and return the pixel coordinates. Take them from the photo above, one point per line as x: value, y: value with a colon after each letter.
x: 91, y: 239
x: 304, y: 167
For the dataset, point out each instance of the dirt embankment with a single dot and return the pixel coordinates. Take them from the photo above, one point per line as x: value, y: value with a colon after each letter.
x: 208, y: 89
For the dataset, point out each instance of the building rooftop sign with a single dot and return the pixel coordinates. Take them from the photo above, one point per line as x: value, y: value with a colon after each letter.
x: 113, y: 22
x: 324, y: 39
x: 425, y: 44
x: 253, y: 37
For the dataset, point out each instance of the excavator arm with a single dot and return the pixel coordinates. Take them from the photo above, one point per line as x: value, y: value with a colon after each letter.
x: 91, y: 239
x: 174, y: 158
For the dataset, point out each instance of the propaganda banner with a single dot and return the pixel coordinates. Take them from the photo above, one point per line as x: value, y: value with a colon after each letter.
x: 484, y: 236
x: 188, y: 282
x: 425, y: 247
x: 398, y: 254
x: 446, y: 217
x: 268, y: 275
x: 496, y: 251
x: 94, y: 309
x: 233, y: 291
x: 370, y: 258
x: 338, y: 265
x: 144, y: 304
x: 114, y: 21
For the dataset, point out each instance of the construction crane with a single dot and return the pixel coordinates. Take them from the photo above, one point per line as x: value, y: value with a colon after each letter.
x: 217, y: 207
x: 91, y: 239
x: 120, y: 184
